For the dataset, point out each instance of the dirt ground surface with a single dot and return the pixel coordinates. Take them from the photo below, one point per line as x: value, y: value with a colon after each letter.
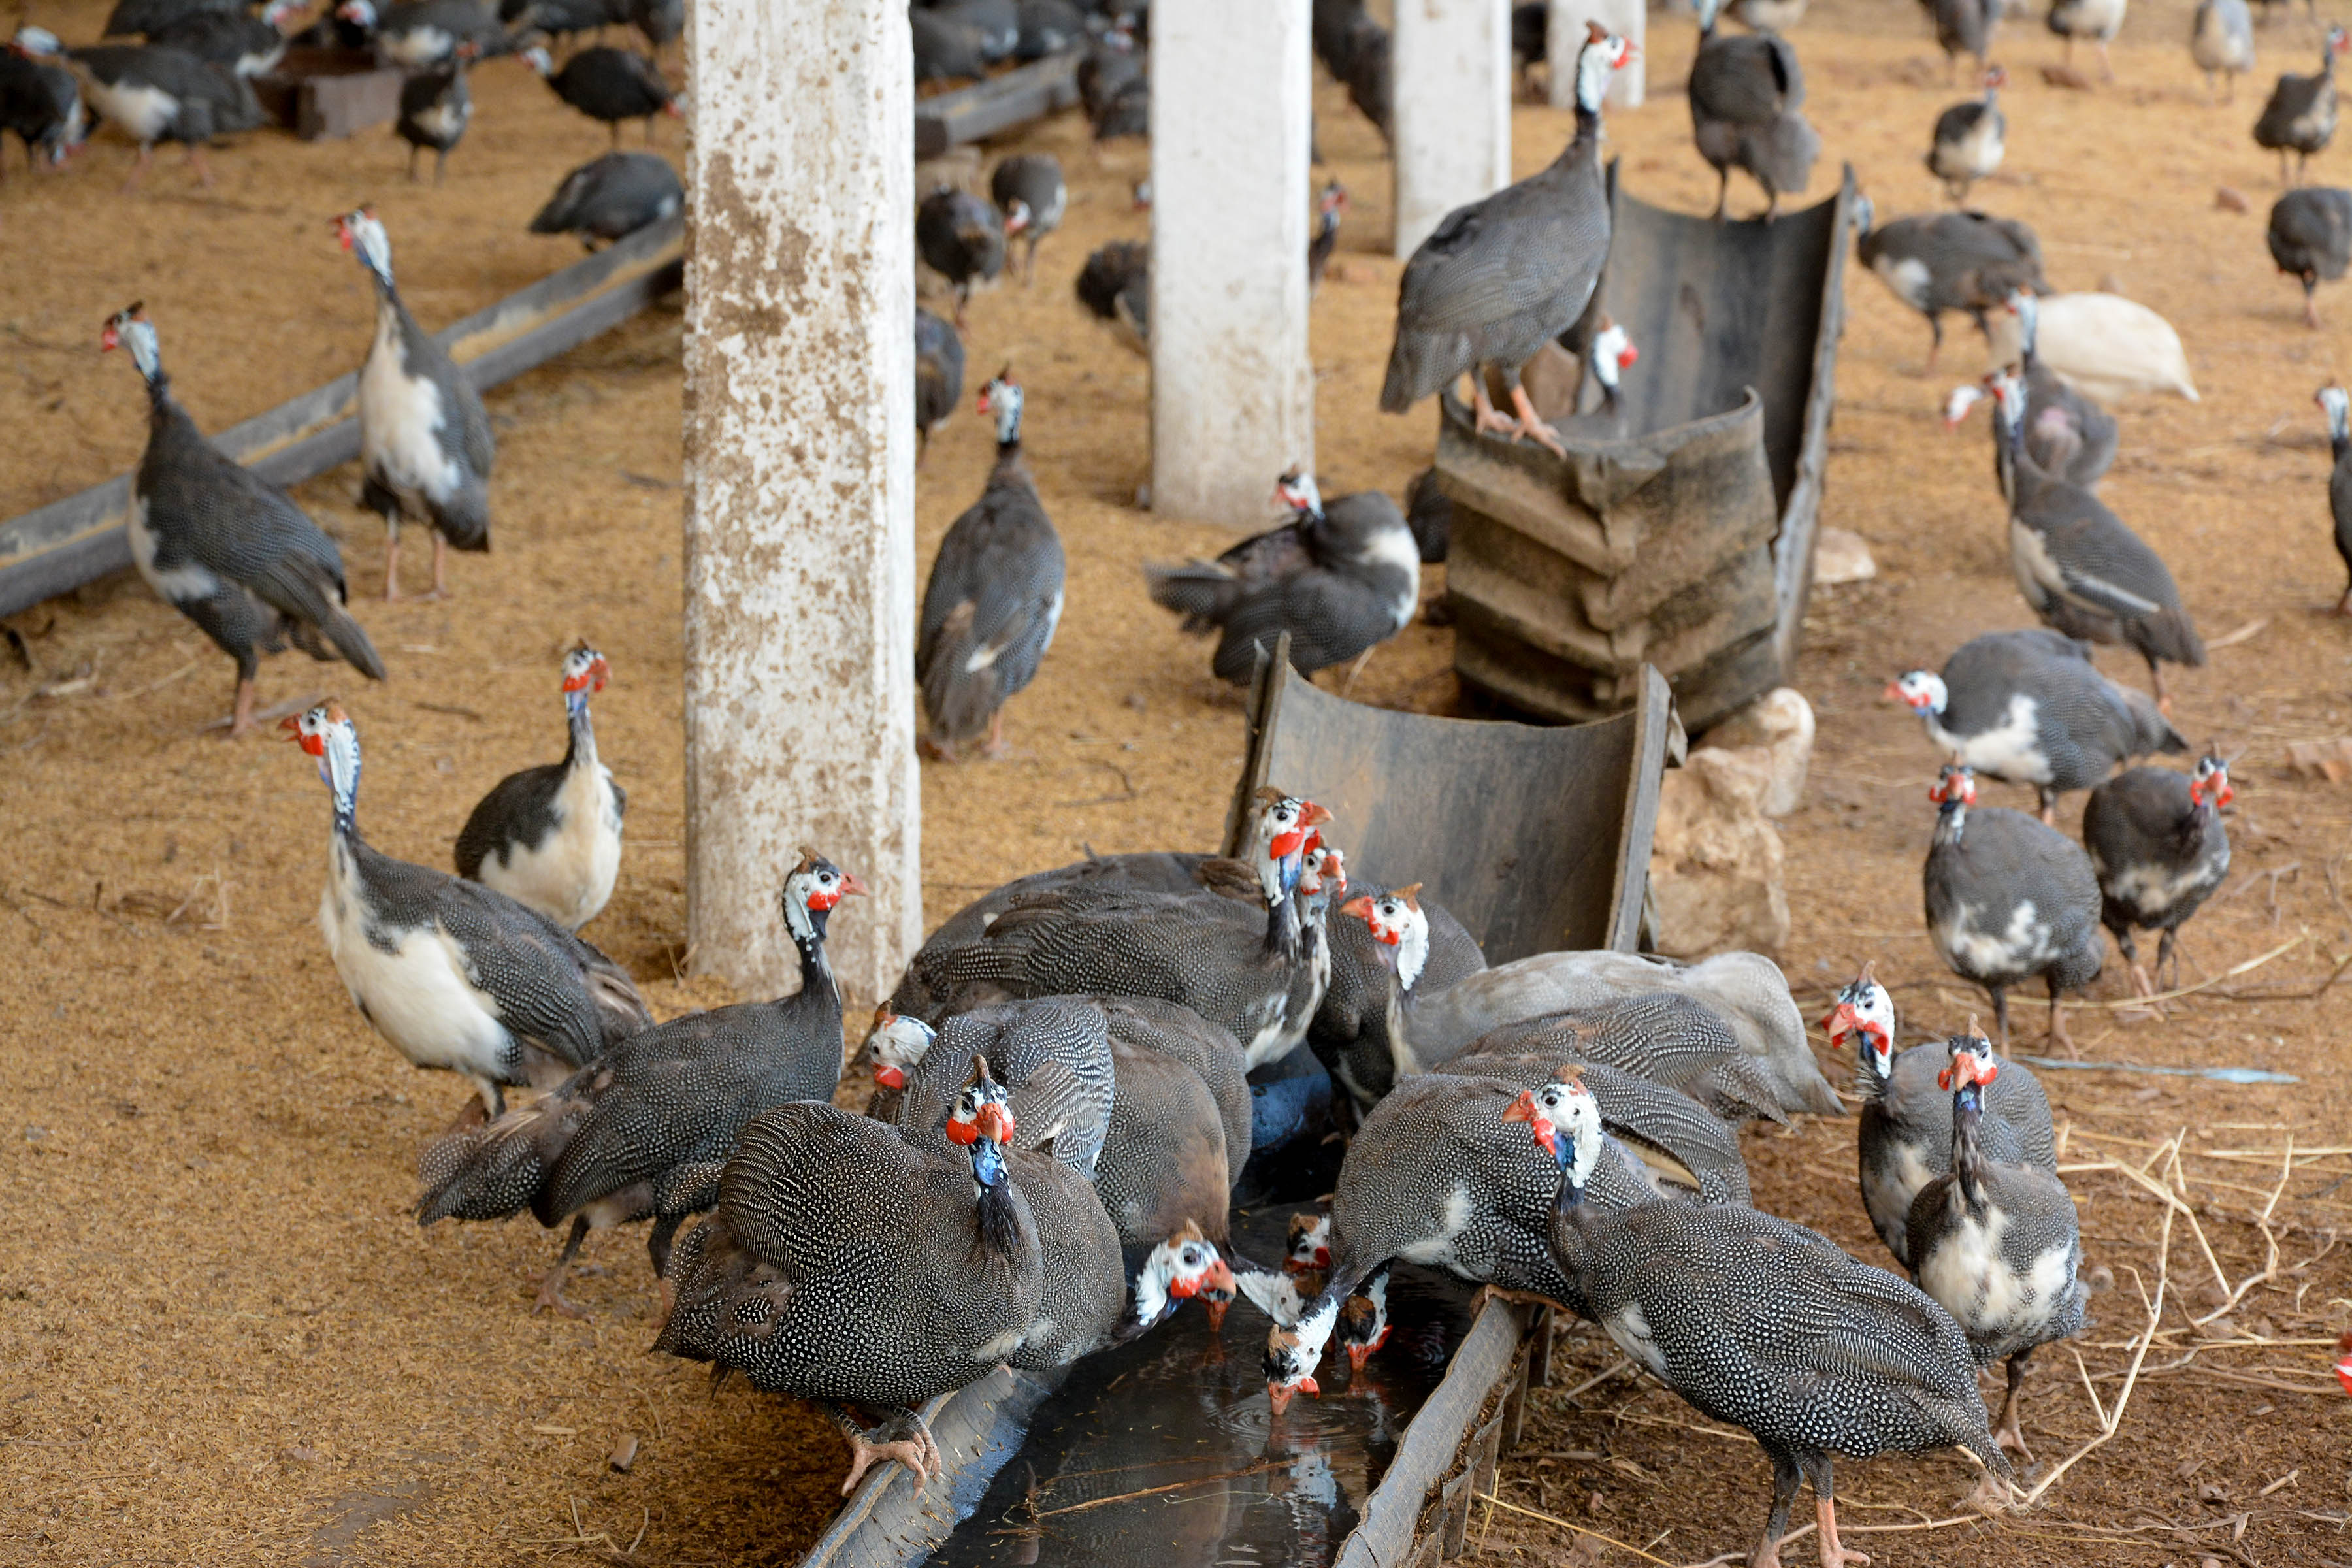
x: 223, y: 1341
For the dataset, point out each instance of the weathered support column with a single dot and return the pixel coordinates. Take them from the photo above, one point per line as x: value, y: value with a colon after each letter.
x: 1452, y: 113
x: 800, y: 484
x: 1232, y: 393
x: 1629, y: 19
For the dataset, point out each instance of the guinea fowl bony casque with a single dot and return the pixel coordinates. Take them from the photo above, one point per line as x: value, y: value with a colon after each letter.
x: 2300, y: 117
x: 1948, y: 261
x: 611, y: 85
x: 1746, y: 95
x: 453, y: 974
x: 2097, y: 20
x: 994, y: 596
x: 850, y: 1263
x: 1500, y: 278
x: 550, y: 837
x: 2081, y: 568
x: 939, y: 378
x: 611, y: 197
x: 2030, y: 707
x: 1997, y: 1243
x: 436, y: 107
x: 1340, y: 578
x: 2157, y: 841
x: 641, y: 1131
x: 157, y: 94
x: 1028, y: 189
x: 1969, y: 139
x: 2009, y: 900
x: 2222, y: 41
x: 2310, y: 236
x: 225, y: 549
x: 2337, y: 404
x: 962, y: 238
x: 1764, y: 1324
x: 425, y: 446
x: 1905, y: 1137
x: 40, y: 99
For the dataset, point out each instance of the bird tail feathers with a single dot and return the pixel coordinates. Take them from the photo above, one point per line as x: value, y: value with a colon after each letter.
x: 1203, y: 592
x: 2169, y: 633
x: 352, y: 641
x: 497, y: 1170
x: 2150, y: 729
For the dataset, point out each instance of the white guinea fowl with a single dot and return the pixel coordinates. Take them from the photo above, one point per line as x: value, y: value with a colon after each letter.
x: 2106, y: 346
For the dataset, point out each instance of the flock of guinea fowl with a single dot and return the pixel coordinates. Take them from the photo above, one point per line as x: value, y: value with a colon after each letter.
x: 1062, y: 1106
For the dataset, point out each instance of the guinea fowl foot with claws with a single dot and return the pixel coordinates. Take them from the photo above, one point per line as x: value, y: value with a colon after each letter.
x: 918, y: 1450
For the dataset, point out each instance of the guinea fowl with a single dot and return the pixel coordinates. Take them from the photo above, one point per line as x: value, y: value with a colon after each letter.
x: 1502, y: 277
x: 612, y: 197
x: 157, y: 94
x: 1968, y: 144
x: 425, y: 446
x: 2300, y: 117
x: 1746, y: 991
x: 2030, y: 707
x: 847, y: 1263
x: 2083, y: 570
x: 960, y: 238
x: 2337, y: 404
x: 2066, y: 434
x: 1949, y: 261
x: 1761, y: 1323
x: 233, y: 42
x: 2310, y: 237
x: 641, y: 1131
x: 1351, y: 1032
x: 1997, y: 1243
x: 1671, y: 1040
x: 2156, y: 842
x: 1746, y: 94
x: 40, y: 99
x: 417, y: 34
x: 1904, y: 1139
x: 2008, y: 900
x: 1687, y: 1150
x: 550, y: 837
x: 436, y: 107
x: 1964, y: 27
x: 2103, y: 345
x: 1326, y: 239
x: 663, y: 22
x: 610, y: 85
x: 1115, y: 286
x: 1429, y: 512
x: 1047, y: 27
x: 138, y: 18
x: 454, y: 974
x: 1340, y: 578
x: 1029, y: 191
x: 993, y: 598
x: 2097, y: 20
x: 938, y: 377
x: 945, y: 48
x: 225, y: 549
x: 2222, y: 41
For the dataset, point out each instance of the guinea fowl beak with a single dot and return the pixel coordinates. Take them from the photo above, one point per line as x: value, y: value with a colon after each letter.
x: 852, y: 888
x: 1313, y: 815
x: 1838, y: 1022
x: 995, y: 1121
x: 1360, y: 906
x: 1220, y: 1277
x: 1522, y: 1108
x: 1216, y: 1307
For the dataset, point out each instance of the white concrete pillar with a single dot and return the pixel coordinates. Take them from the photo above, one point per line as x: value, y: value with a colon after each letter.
x: 1233, y: 392
x: 1629, y: 19
x: 1451, y: 114
x: 800, y: 482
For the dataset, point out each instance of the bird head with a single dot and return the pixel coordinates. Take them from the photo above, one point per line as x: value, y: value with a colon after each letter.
x: 2337, y: 404
x: 1016, y: 217
x: 2209, y: 784
x: 1281, y: 833
x: 1995, y: 78
x: 280, y: 13
x: 2344, y: 1361
x: 1611, y: 354
x: 983, y: 1111
x: 896, y: 1044
x: 1310, y: 1243
x: 584, y: 673
x: 1333, y: 200
x: 365, y: 237
x: 536, y: 58
x: 1397, y: 925
x: 2337, y: 39
x: 1292, y: 1352
x: 1865, y: 1014
x: 327, y: 734
x: 1603, y: 54
x: 811, y: 891
x: 1364, y: 1322
x: 36, y: 43
x: 1957, y: 407
x: 1323, y: 873
x: 1297, y: 493
x: 1003, y: 396
x: 1972, y: 1068
x: 129, y: 328
x: 358, y: 13
x: 1955, y: 786
x: 1563, y: 1106
x: 1923, y: 689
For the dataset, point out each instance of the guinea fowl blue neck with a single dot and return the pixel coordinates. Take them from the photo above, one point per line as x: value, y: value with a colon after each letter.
x: 584, y: 674
x: 326, y: 733
x: 983, y: 1121
x: 1864, y: 1015
x: 1566, y: 1121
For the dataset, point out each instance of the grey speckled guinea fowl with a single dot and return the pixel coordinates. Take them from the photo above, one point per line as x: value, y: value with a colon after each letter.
x: 454, y: 974
x: 2310, y: 236
x: 1052, y: 1054
x: 152, y: 94
x: 1998, y: 1243
x: 2030, y: 707
x: 2067, y: 435
x: 1351, y: 1032
x: 1904, y: 1139
x: 939, y: 378
x: 849, y: 1264
x: 2337, y: 404
x: 2156, y: 842
x: 1029, y: 191
x: 1500, y: 278
x: 612, y: 197
x: 1761, y: 1323
x: 2300, y: 117
x: 551, y: 836
x: 1685, y: 1146
x: 962, y: 238
x: 1938, y: 262
x: 1746, y: 95
x: 2010, y: 900
x: 1671, y: 1039
x: 642, y: 1132
x: 1964, y: 27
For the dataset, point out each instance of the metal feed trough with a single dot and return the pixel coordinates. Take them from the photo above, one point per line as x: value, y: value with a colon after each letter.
x: 1165, y: 1451
x: 1678, y: 532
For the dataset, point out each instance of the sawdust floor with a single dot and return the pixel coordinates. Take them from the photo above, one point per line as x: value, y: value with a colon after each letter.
x: 222, y: 1340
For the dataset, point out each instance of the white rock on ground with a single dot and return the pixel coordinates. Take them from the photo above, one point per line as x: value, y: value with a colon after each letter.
x: 1778, y: 726
x: 1842, y: 555
x: 1716, y: 865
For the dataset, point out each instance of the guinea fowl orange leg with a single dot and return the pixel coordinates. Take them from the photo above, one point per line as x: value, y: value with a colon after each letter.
x: 1529, y: 425
x: 917, y: 1451
x: 440, y: 567
x: 994, y: 747
x: 241, y: 720
x: 550, y: 1288
x: 1832, y: 1554
x: 2058, y: 1035
x: 1484, y: 416
x: 2156, y: 681
x: 391, y: 562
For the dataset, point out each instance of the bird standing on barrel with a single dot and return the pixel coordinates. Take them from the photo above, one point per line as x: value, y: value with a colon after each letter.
x: 1504, y: 275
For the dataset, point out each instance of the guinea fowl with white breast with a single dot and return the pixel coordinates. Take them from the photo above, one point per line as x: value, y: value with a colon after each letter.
x: 2008, y: 900
x: 242, y: 45
x: 2030, y: 707
x: 2337, y: 404
x: 225, y: 549
x: 611, y: 85
x: 612, y: 197
x: 2221, y: 42
x: 2157, y: 841
x: 40, y: 100
x: 155, y: 94
x: 550, y: 837
x: 455, y: 975
x: 2080, y: 567
x: 2300, y: 117
x: 418, y: 35
x: 641, y: 1131
x: 993, y: 598
x: 1937, y: 262
x: 1029, y: 191
x: 1997, y: 1243
x: 1502, y: 277
x: 1340, y: 578
x: 2310, y: 236
x: 1761, y: 1323
x: 425, y: 446
x: 436, y: 107
x: 2096, y: 20
x: 962, y: 238
x: 1969, y: 139
x: 1905, y: 1137
x: 1746, y: 96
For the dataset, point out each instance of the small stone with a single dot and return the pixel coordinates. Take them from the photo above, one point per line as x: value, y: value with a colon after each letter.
x: 1842, y: 555
x: 1779, y: 724
x: 625, y: 1452
x: 1717, y: 868
x: 2231, y: 200
x: 2210, y: 1493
